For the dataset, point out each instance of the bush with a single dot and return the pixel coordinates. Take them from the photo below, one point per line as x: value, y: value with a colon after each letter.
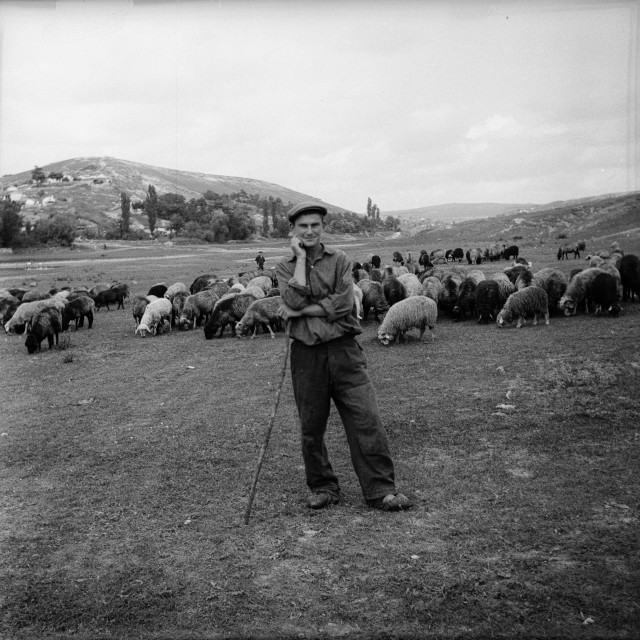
x: 561, y: 236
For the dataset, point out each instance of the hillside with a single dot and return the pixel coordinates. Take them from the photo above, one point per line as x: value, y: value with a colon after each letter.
x: 455, y: 211
x: 595, y: 218
x: 93, y: 186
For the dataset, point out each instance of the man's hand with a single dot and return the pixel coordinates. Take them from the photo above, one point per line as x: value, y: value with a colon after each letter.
x: 297, y: 247
x: 286, y: 313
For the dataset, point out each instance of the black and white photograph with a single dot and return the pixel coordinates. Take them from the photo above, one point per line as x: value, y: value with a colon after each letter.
x: 321, y: 319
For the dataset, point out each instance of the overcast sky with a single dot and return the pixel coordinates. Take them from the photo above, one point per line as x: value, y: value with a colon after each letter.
x: 409, y: 103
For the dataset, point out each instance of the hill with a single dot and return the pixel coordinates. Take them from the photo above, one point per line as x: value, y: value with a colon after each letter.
x: 594, y: 218
x: 456, y: 212
x: 91, y: 189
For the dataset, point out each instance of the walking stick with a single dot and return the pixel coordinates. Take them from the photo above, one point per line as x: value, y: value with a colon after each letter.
x: 265, y: 444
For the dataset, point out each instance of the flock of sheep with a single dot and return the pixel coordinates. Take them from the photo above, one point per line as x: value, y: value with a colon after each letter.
x: 409, y: 294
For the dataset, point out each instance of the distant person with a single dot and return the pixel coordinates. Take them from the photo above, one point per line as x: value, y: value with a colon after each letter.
x: 327, y: 363
x: 260, y: 260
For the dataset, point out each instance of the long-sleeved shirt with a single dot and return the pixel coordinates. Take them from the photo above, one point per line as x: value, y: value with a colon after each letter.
x: 329, y: 284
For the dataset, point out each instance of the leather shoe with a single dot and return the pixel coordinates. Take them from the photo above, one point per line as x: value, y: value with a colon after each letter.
x: 322, y: 499
x: 391, y: 502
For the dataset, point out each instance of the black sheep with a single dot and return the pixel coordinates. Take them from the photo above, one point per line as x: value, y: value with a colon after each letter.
x: 457, y: 254
x: 157, y: 290
x: 487, y: 300
x: 227, y: 312
x: 466, y: 300
x: 603, y: 294
x: 375, y: 262
x: 201, y: 283
x: 78, y: 309
x: 393, y: 290
x: 511, y: 252
x: 115, y: 294
x: 630, y: 276
x: 45, y: 324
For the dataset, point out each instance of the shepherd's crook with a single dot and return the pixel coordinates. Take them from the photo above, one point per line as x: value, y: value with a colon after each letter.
x: 254, y: 485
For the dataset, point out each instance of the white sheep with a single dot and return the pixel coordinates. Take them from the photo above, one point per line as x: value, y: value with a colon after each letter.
x: 175, y: 288
x: 417, y: 311
x: 530, y: 301
x: 578, y: 290
x: 264, y: 282
x: 27, y: 310
x: 431, y: 287
x: 154, y: 316
x: 262, y: 312
x: 412, y: 286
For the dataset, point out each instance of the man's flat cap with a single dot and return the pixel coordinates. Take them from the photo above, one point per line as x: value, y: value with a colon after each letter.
x: 306, y: 207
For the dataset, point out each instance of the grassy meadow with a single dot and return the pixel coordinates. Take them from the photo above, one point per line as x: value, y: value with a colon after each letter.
x: 127, y: 462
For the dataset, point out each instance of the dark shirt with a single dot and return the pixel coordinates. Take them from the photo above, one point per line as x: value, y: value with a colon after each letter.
x: 329, y: 284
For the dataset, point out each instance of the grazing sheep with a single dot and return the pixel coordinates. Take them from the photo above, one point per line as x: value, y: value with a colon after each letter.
x: 516, y: 270
x: 573, y: 273
x: 115, y: 294
x: 475, y: 274
x: 554, y: 282
x: 567, y: 248
x: 417, y: 311
x: 264, y: 313
x: 138, y: 306
x: 511, y: 252
x: 228, y: 312
x: 449, y: 292
x: 393, y: 290
x: 28, y: 310
x: 8, y: 306
x: 359, y: 274
x: 505, y: 286
x: 437, y: 254
x: 411, y: 283
x: 375, y: 275
x: 630, y: 276
x: 47, y: 323
x: 423, y: 259
x: 524, y: 303
x: 176, y: 287
x: 197, y: 308
x: 177, y: 305
x: 466, y: 299
x: 158, y: 290
x: 604, y: 294
x: 474, y: 256
x: 201, y: 282
x: 487, y: 301
x: 431, y: 288
x: 33, y: 295
x: 372, y: 298
x: 264, y: 282
x: 578, y: 291
x: 154, y: 317
x: 524, y: 279
x: 77, y: 293
x: 457, y: 254
x: 78, y: 309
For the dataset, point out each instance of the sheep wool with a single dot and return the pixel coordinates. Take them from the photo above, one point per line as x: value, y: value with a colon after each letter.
x: 27, y: 310
x: 411, y: 284
x: 417, y: 311
x: 372, y: 297
x: 262, y: 312
x: 47, y: 323
x: 578, y: 291
x: 530, y: 301
x: 176, y: 287
x: 554, y: 282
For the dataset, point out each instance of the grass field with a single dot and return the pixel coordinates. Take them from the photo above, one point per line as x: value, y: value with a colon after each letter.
x: 127, y: 464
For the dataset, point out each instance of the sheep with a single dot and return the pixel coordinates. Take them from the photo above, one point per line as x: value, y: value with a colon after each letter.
x: 466, y: 299
x: 436, y: 254
x: 567, y: 248
x: 474, y: 256
x: 431, y: 287
x: 511, y: 252
x: 554, y: 282
x: 359, y: 274
x: 158, y: 290
x: 262, y: 312
x: 171, y: 291
x: 417, y: 311
x: 375, y: 275
x: 27, y: 310
x: 47, y: 323
x: 412, y: 286
x: 487, y: 301
x: 521, y: 304
x: 8, y: 306
x: 372, y: 297
x: 604, y: 294
x: 397, y: 258
x: 264, y: 282
x: 375, y: 261
x: 154, y: 317
x: 578, y: 290
x: 228, y: 312
x: 17, y: 292
x: 423, y: 259
x: 449, y: 292
x: 595, y: 261
x: 201, y: 282
x: 115, y: 294
x: 630, y: 276
x: 505, y: 286
x: 138, y: 306
x: 393, y: 290
x: 78, y: 293
x: 197, y: 308
x: 516, y: 270
x: 238, y: 287
x: 457, y: 254
x: 33, y: 295
x: 524, y: 279
x: 77, y: 310
x: 476, y: 275
x: 616, y: 258
x: 177, y: 305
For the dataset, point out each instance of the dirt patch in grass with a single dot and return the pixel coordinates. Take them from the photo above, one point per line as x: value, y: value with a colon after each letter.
x: 126, y: 472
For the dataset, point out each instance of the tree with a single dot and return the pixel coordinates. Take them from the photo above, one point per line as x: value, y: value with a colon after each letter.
x: 37, y: 175
x: 58, y: 229
x: 125, y: 206
x: 10, y: 222
x: 151, y: 208
x: 368, y: 207
x: 265, y: 219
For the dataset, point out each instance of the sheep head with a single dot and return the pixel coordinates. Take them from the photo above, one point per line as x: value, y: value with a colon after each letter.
x: 143, y: 329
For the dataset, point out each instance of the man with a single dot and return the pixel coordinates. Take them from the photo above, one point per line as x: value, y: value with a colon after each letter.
x: 328, y: 364
x: 260, y: 261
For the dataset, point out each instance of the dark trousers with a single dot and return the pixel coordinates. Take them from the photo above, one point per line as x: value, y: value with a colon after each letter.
x: 337, y: 370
